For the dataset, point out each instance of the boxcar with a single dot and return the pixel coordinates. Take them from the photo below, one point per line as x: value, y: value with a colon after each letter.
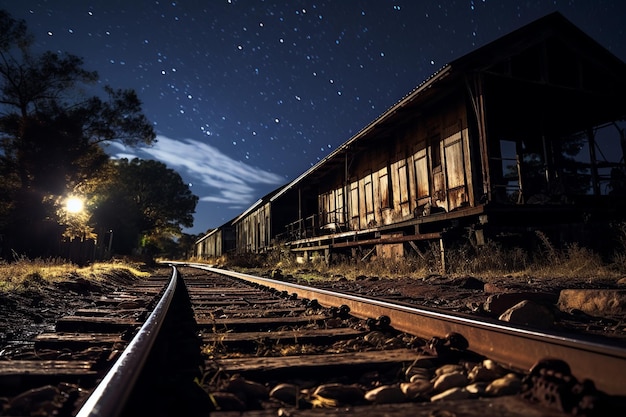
x: 216, y: 243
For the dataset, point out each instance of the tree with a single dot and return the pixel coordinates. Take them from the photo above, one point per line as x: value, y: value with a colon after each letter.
x: 50, y: 135
x: 144, y: 204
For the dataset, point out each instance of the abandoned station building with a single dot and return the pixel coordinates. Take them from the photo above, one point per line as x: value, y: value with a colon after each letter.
x: 525, y: 133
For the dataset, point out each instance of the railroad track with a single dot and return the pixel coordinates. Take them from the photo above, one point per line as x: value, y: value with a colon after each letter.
x: 107, y: 359
x: 243, y: 344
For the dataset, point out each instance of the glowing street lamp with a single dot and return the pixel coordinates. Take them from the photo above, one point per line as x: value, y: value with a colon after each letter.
x: 74, y: 205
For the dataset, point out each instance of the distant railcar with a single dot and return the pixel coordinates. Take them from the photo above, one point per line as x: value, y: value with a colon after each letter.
x: 264, y: 224
x: 216, y: 243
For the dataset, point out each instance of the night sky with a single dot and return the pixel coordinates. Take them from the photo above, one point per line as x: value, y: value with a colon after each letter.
x: 245, y: 95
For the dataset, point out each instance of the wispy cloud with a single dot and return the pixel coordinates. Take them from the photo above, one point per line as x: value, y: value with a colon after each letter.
x: 228, y: 181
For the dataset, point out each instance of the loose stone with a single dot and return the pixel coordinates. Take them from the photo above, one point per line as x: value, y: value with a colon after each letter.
x: 286, y: 393
x: 416, y: 388
x: 250, y: 391
x: 477, y: 388
x: 342, y: 394
x: 457, y: 393
x: 448, y: 369
x: 481, y: 373
x: 386, y: 394
x: 507, y: 385
x: 450, y: 380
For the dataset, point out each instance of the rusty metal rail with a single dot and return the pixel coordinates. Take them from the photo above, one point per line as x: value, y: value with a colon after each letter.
x: 516, y: 346
x: 110, y: 396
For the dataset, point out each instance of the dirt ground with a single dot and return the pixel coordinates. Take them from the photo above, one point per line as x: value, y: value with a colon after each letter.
x: 25, y: 314
x: 487, y: 298
x: 35, y: 309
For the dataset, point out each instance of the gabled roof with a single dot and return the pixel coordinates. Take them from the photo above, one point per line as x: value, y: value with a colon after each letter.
x: 554, y: 24
x: 258, y: 203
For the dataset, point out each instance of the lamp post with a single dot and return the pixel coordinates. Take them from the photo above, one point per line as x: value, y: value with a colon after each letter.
x: 110, y: 240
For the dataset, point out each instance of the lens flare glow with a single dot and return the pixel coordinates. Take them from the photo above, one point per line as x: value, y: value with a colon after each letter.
x: 74, y: 205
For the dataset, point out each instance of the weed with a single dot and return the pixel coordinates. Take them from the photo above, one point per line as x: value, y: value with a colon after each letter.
x: 24, y: 274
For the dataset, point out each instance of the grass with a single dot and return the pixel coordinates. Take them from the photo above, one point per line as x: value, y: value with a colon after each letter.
x: 31, y: 275
x: 487, y: 262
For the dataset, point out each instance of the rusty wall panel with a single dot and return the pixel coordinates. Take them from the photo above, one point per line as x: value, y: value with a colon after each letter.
x: 457, y: 197
x: 367, y: 215
x: 394, y: 179
x: 401, y: 188
x: 253, y: 233
x: 420, y: 162
x: 340, y: 206
x: 455, y: 166
x: 354, y: 206
x: 439, y: 188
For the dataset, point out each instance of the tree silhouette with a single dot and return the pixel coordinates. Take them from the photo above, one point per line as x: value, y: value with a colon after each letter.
x: 145, y: 204
x: 50, y: 136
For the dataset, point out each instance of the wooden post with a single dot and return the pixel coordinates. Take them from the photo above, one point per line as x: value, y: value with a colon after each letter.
x: 443, y: 256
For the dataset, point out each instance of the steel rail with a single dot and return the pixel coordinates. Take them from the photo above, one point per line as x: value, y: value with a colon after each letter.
x: 109, y: 397
x: 516, y: 346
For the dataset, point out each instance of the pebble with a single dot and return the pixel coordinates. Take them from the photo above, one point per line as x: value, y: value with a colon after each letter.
x: 507, y: 385
x: 477, y: 388
x: 450, y: 380
x: 529, y: 313
x: 340, y: 393
x: 457, y: 393
x: 448, y: 369
x: 375, y: 338
x: 480, y: 373
x: 286, y: 393
x: 416, y: 388
x: 249, y: 390
x: 386, y: 394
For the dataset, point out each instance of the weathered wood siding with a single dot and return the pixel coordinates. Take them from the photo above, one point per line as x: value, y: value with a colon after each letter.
x: 425, y: 167
x: 254, y: 230
x: 217, y: 243
x: 211, y: 246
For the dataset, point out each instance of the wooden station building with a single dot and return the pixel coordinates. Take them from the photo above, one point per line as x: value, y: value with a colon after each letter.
x: 525, y: 133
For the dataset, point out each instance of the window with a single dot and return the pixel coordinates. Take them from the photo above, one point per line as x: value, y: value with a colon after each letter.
x: 403, y: 183
x: 354, y: 199
x: 421, y: 174
x: 383, y: 188
x: 339, y: 209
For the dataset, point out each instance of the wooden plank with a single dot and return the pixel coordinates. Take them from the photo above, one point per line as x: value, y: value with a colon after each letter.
x: 103, y: 301
x: 51, y: 340
x: 317, y: 362
x: 217, y: 296
x: 264, y: 312
x: 287, y: 336
x: 222, y: 290
x: 16, y: 368
x: 260, y: 321
x: 16, y: 376
x: 103, y: 312
x: 95, y: 324
x: 205, y: 303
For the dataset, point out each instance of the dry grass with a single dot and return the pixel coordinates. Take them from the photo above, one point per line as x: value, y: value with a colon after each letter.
x: 25, y: 274
x: 488, y: 262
